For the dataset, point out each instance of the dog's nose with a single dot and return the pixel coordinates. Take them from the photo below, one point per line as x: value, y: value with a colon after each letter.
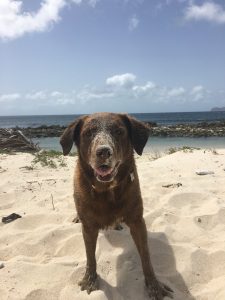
x: 103, y: 152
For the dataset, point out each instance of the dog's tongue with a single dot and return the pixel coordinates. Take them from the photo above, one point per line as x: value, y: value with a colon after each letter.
x: 104, y: 171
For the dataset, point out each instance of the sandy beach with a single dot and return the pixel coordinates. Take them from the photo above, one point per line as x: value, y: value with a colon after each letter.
x: 43, y: 256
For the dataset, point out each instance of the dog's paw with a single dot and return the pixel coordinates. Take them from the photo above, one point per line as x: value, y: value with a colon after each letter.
x: 158, y: 291
x: 89, y: 283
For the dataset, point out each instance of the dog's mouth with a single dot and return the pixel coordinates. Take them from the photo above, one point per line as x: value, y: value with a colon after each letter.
x: 106, y: 173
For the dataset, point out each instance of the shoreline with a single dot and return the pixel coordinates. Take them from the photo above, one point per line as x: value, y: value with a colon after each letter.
x: 201, y: 129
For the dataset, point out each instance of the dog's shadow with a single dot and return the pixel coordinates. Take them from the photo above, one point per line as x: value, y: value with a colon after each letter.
x: 129, y: 278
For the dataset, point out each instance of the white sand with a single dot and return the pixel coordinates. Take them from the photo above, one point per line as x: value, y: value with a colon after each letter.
x: 43, y: 252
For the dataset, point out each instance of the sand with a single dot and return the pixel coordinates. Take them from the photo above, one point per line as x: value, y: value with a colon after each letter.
x: 43, y: 252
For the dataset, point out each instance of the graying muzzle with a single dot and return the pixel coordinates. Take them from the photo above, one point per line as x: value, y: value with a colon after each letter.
x: 104, y: 151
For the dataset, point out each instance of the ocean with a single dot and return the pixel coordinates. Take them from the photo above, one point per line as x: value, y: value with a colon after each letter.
x: 154, y: 143
x: 160, y: 118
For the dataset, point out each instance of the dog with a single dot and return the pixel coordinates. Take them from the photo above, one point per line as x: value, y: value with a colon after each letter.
x: 106, y: 187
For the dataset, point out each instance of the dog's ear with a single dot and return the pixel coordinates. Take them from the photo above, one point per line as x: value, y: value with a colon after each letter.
x: 71, y: 134
x: 138, y: 131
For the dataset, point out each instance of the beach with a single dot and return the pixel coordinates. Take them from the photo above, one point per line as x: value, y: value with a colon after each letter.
x: 42, y: 254
x: 193, y: 129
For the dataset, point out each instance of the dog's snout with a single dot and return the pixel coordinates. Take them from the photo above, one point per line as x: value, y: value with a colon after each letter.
x: 104, y: 152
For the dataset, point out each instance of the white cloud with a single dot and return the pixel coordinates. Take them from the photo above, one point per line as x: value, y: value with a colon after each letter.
x: 197, y: 93
x: 143, y: 89
x: 197, y: 89
x: 88, y: 95
x: 120, y: 93
x: 14, y: 22
x: 133, y: 23
x: 175, y: 92
x: 208, y: 11
x: 9, y: 97
x: 56, y: 94
x: 36, y: 95
x: 123, y: 80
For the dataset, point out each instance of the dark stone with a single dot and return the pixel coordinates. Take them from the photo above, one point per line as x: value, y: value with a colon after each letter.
x: 10, y: 218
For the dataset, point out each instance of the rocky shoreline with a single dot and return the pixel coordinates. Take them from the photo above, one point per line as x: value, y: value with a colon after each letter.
x: 203, y: 129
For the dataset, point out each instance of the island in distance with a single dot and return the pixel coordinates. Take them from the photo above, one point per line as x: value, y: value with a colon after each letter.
x: 218, y: 108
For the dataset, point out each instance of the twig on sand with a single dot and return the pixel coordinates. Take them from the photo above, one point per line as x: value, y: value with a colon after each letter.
x: 2, y: 170
x: 173, y: 185
x: 52, y: 202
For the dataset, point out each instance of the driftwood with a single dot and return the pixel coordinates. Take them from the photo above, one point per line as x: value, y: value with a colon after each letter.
x: 12, y: 140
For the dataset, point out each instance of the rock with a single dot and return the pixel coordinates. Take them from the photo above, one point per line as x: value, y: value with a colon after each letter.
x: 1, y: 265
x: 204, y: 172
x: 201, y: 129
x: 10, y: 218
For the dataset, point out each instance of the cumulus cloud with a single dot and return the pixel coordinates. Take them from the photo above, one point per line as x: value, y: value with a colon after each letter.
x: 197, y: 89
x: 121, y: 92
x: 14, y: 22
x: 56, y: 94
x: 143, y: 89
x: 88, y: 95
x: 9, y: 97
x: 123, y: 80
x: 208, y: 11
x: 198, y: 92
x: 36, y: 95
x: 133, y: 23
x: 174, y: 92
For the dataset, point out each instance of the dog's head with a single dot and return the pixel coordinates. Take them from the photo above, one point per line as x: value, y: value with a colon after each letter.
x: 105, y: 141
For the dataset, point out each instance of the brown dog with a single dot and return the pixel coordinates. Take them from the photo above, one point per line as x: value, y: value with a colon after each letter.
x: 106, y: 186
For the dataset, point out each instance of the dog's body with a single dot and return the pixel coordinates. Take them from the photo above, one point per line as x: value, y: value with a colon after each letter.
x: 106, y: 186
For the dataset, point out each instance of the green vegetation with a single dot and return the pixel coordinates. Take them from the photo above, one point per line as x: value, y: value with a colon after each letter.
x: 155, y: 155
x: 214, y: 151
x: 49, y: 158
x: 184, y: 149
x: 4, y: 151
x: 45, y: 159
x: 28, y: 168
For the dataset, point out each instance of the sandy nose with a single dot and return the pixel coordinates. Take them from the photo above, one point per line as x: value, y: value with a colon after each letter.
x: 104, y: 151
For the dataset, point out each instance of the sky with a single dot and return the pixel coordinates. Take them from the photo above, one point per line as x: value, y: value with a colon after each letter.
x: 84, y: 56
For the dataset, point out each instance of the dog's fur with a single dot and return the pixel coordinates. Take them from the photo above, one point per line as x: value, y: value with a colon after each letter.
x: 106, y: 186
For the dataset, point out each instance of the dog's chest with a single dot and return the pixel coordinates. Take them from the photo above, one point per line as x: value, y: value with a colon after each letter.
x: 108, y: 208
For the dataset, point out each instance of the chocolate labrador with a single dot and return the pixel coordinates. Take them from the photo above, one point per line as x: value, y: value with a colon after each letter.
x: 106, y: 187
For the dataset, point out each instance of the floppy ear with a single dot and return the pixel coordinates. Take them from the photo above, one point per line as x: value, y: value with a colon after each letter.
x: 139, y: 133
x: 71, y: 134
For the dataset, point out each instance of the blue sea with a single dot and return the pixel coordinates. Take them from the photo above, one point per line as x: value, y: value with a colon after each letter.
x: 154, y: 143
x: 160, y: 118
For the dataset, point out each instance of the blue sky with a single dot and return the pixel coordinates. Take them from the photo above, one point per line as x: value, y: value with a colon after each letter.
x: 82, y: 56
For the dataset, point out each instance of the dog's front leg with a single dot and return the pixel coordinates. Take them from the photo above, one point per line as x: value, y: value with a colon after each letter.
x: 156, y: 290
x: 89, y: 282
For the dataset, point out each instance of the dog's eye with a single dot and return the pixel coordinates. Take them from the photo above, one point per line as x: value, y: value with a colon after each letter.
x: 88, y: 133
x: 118, y: 131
